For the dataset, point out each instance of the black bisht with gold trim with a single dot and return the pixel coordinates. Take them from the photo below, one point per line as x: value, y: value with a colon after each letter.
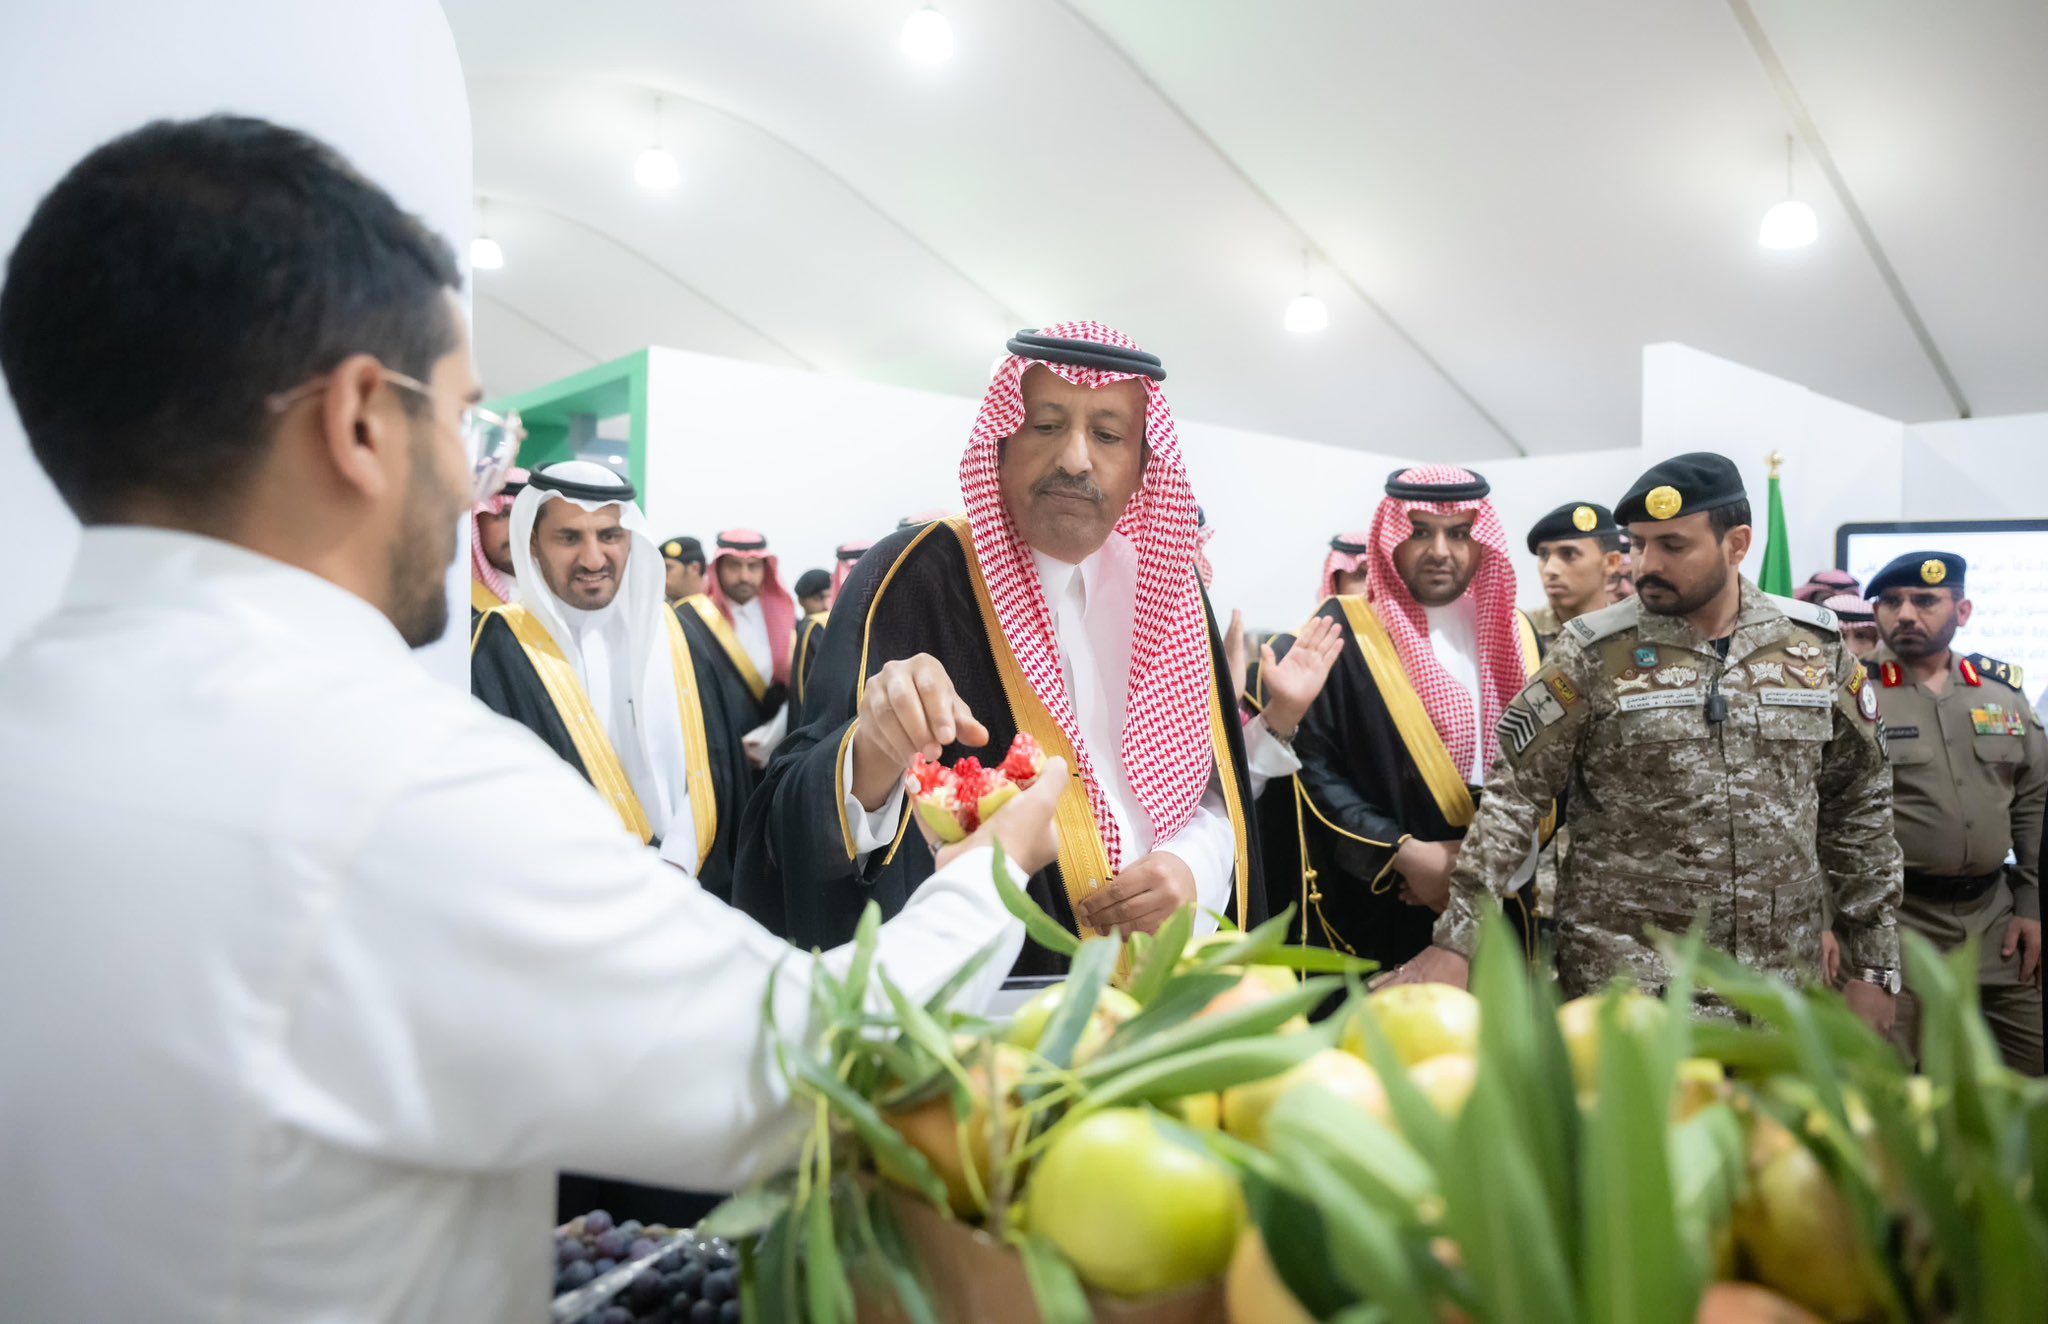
x: 915, y: 592
x: 1374, y: 772
x: 502, y: 676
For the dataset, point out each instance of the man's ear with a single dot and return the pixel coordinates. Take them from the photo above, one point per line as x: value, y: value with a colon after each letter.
x: 1963, y: 609
x: 1738, y: 541
x: 361, y: 434
x: 1613, y: 562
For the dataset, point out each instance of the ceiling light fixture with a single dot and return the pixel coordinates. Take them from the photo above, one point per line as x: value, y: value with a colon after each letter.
x: 485, y: 254
x: 1790, y: 224
x: 656, y: 170
x: 1306, y: 314
x: 927, y: 37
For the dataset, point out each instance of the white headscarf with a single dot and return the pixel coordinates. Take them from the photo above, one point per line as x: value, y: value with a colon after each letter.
x: 628, y: 639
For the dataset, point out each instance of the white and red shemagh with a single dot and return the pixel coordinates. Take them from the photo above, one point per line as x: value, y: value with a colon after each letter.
x: 1500, y: 663
x: 1342, y: 563
x: 1166, y: 744
x: 480, y: 567
x: 778, y: 608
x: 844, y: 558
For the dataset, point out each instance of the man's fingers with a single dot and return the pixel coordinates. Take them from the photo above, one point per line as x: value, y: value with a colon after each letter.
x: 935, y: 697
x: 906, y: 707
x: 966, y: 728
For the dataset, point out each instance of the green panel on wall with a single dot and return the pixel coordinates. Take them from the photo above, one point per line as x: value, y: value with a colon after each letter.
x: 605, y: 391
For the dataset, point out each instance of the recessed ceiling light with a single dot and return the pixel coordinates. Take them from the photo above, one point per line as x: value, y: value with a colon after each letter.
x: 927, y: 37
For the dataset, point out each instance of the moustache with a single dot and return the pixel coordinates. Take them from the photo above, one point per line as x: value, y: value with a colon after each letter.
x: 1066, y: 485
x: 1652, y: 581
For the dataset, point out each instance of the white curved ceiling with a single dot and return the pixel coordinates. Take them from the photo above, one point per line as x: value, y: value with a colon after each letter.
x: 1506, y: 201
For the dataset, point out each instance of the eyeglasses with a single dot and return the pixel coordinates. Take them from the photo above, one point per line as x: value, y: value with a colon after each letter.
x: 492, y: 438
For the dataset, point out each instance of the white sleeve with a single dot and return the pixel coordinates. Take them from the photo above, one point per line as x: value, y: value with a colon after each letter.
x: 1207, y: 844
x: 871, y: 832
x: 509, y: 981
x: 1266, y: 757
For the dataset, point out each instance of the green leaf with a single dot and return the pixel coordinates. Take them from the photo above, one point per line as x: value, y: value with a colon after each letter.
x: 1250, y: 947
x: 1368, y: 1249
x: 767, y: 1265
x: 1637, y: 1269
x: 1370, y: 1157
x: 1184, y: 998
x: 921, y: 1029
x: 1519, y: 1043
x: 1089, y: 975
x: 1201, y: 1070
x: 1054, y: 1285
x: 750, y: 1212
x: 1156, y: 965
x: 882, y: 1140
x: 1240, y: 1022
x: 1426, y: 1129
x: 865, y: 938
x: 1295, y: 1233
x: 942, y: 1000
x: 1042, y: 928
x: 826, y: 1290
x: 1497, y: 1212
x: 1315, y: 961
x: 900, y: 1263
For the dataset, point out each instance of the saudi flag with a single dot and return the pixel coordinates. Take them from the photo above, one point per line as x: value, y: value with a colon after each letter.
x: 1777, y: 570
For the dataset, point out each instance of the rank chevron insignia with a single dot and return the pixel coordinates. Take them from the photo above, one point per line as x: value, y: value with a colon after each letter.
x: 1518, y: 727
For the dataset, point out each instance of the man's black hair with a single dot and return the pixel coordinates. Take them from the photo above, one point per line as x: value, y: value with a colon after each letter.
x: 181, y: 275
x: 1723, y: 518
x: 1613, y: 542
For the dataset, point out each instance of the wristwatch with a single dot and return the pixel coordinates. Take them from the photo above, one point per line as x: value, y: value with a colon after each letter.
x: 1888, y: 980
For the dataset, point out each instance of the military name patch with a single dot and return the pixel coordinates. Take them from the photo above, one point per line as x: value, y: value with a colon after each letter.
x: 1635, y: 703
x: 1795, y: 699
x: 1904, y: 732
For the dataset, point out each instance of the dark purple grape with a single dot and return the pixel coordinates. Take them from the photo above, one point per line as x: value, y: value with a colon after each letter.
x: 680, y: 1304
x: 691, y: 1278
x: 568, y: 1251
x: 577, y: 1274
x: 704, y: 1313
x: 606, y: 1265
x: 670, y: 1261
x: 641, y: 1249
x: 612, y: 1244
x: 596, y: 1221
x: 718, y: 1286
x: 616, y: 1315
x: 729, y: 1313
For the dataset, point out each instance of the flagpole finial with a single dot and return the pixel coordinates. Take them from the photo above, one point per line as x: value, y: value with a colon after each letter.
x: 1776, y: 461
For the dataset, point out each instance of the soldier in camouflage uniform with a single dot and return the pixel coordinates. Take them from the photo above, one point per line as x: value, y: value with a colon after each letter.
x: 1723, y: 757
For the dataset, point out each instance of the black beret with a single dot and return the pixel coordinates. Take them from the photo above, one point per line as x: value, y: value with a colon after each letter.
x: 1919, y: 570
x: 1574, y: 519
x: 1682, y: 485
x: 812, y: 582
x: 685, y: 549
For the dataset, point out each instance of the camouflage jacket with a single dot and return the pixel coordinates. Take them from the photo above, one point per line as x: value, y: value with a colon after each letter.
x: 1755, y: 821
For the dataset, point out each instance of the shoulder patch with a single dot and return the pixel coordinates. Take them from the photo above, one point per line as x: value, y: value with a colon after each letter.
x: 1598, y: 625
x: 2006, y: 673
x: 1810, y: 613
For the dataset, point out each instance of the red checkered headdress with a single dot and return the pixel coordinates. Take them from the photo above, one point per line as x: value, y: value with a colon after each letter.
x: 1166, y: 750
x: 1348, y: 551
x: 1502, y: 671
x: 480, y: 567
x: 844, y: 559
x: 778, y: 608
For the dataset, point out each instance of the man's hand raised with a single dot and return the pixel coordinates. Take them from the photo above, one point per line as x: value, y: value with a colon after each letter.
x: 908, y: 708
